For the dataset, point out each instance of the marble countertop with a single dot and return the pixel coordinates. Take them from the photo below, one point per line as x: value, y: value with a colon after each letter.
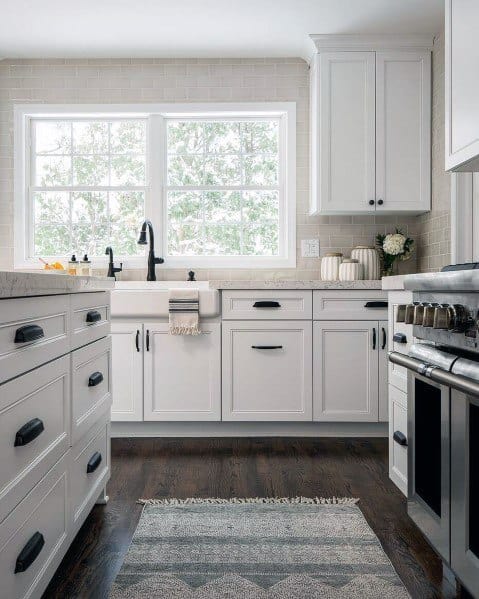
x: 394, y: 283
x: 286, y: 284
x: 25, y: 284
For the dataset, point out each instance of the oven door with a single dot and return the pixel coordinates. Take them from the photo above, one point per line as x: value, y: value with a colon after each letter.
x: 465, y: 488
x: 429, y: 460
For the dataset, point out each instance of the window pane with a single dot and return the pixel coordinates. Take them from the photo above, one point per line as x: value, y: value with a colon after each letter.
x: 222, y: 240
x: 260, y: 206
x: 127, y: 170
x: 51, y: 240
x: 52, y: 137
x: 222, y: 206
x: 128, y: 136
x: 127, y: 211
x: 90, y: 137
x: 260, y: 170
x: 260, y: 137
x: 53, y: 171
x: 223, y: 137
x: 90, y: 171
x: 185, y: 170
x: 184, y: 240
x: 90, y: 238
x: 185, y: 137
x: 222, y: 170
x: 261, y: 240
x: 185, y: 206
x: 51, y: 207
x: 89, y: 207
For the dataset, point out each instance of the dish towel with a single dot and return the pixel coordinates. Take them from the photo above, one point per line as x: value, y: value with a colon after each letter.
x: 184, y: 312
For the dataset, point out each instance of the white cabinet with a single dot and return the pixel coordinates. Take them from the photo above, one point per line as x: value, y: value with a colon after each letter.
x: 182, y: 374
x: 267, y: 370
x: 349, y: 366
x: 370, y: 127
x: 127, y: 371
x: 462, y: 85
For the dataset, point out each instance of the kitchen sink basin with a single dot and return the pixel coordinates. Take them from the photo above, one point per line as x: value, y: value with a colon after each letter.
x: 149, y: 299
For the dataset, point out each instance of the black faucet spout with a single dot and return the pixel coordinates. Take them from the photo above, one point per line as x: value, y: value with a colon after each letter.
x: 152, y: 259
x: 112, y: 269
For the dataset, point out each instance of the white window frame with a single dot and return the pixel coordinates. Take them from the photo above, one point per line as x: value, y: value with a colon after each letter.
x: 155, y: 197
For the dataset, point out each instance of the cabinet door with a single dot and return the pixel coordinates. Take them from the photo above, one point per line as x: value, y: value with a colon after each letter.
x: 182, y: 374
x: 462, y: 85
x: 383, y: 371
x: 267, y: 370
x: 403, y: 131
x: 346, y: 132
x: 127, y: 371
x: 345, y: 371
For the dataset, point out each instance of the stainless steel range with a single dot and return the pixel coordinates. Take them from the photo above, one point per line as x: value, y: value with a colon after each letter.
x: 443, y: 416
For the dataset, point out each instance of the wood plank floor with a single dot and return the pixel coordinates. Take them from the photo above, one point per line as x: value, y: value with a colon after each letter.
x: 157, y: 468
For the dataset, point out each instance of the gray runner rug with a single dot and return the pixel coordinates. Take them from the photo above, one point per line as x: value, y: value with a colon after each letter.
x: 255, y: 549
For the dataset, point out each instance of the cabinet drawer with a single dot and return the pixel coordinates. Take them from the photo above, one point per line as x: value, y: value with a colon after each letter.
x: 349, y: 305
x: 398, y: 374
x: 34, y: 429
x: 42, y: 517
x: 398, y: 425
x: 33, y: 330
x: 90, y: 317
x: 267, y: 305
x: 90, y: 468
x: 91, y: 385
x: 267, y: 371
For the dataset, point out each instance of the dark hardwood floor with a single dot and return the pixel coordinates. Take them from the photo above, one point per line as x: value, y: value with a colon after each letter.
x: 157, y: 468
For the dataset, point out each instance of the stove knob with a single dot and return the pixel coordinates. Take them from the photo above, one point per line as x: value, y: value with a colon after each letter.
x: 442, y: 317
x: 418, y: 317
x: 409, y: 316
x: 458, y: 318
x: 428, y: 319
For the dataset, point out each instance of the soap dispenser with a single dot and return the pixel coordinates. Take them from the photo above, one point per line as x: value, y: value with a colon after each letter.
x: 73, y: 265
x: 85, y: 266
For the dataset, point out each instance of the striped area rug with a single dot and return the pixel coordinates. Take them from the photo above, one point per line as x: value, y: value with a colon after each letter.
x: 256, y: 548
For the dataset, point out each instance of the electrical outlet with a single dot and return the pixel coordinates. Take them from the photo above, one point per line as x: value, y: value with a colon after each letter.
x: 310, y: 248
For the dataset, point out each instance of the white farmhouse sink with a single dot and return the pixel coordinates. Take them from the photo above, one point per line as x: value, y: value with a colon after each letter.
x: 149, y: 299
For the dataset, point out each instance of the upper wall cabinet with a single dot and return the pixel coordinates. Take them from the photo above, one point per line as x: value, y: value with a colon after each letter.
x: 371, y: 125
x: 462, y: 86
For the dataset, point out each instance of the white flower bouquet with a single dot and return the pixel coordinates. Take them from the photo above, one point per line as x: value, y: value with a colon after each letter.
x: 392, y: 247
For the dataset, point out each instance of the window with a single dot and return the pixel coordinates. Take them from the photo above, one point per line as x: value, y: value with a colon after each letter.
x: 217, y: 181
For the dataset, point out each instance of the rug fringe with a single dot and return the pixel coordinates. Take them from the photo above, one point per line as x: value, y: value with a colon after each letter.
x: 242, y: 500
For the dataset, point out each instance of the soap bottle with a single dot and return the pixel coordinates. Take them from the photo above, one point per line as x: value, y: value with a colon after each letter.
x: 73, y: 265
x: 85, y: 266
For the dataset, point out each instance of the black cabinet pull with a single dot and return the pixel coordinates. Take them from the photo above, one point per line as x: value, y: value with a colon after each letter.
x: 380, y: 202
x: 29, y: 553
x: 376, y: 304
x: 95, y: 379
x: 137, y: 340
x: 371, y: 202
x: 266, y: 347
x: 374, y: 337
x: 384, y: 338
x: 93, y: 462
x: 400, y: 438
x: 266, y: 304
x: 147, y: 339
x: 399, y: 338
x: 29, y: 332
x: 28, y: 432
x: 93, y: 316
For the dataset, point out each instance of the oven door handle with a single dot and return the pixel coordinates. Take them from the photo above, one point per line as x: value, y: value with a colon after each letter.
x: 436, y: 374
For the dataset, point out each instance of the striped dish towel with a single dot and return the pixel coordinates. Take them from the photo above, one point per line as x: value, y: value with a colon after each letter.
x: 184, y: 312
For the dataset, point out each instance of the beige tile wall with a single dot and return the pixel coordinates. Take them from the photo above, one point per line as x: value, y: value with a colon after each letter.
x: 434, y: 240
x: 151, y: 80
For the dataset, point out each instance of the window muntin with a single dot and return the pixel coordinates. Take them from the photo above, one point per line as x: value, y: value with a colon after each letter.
x: 87, y: 185
x: 223, y: 186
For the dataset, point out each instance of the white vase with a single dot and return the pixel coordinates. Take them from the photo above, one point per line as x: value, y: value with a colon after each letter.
x: 330, y: 266
x: 368, y: 257
x: 350, y: 270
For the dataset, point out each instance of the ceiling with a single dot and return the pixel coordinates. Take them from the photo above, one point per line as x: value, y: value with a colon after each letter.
x: 199, y: 28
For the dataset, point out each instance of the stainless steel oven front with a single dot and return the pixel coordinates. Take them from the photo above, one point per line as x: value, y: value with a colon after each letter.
x: 429, y: 460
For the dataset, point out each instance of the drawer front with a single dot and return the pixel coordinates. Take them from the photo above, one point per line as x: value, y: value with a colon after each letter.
x: 398, y: 425
x: 34, y: 429
x: 91, y: 385
x: 267, y: 371
x: 33, y: 330
x: 267, y: 305
x: 90, y: 469
x: 43, y: 512
x: 90, y: 317
x: 345, y: 304
x: 404, y: 332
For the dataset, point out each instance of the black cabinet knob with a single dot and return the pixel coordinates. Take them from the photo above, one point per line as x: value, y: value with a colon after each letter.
x: 380, y: 202
x: 93, y: 316
x: 400, y: 438
x: 95, y: 379
x: 28, y: 432
x: 29, y: 553
x: 371, y: 202
x: 93, y: 462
